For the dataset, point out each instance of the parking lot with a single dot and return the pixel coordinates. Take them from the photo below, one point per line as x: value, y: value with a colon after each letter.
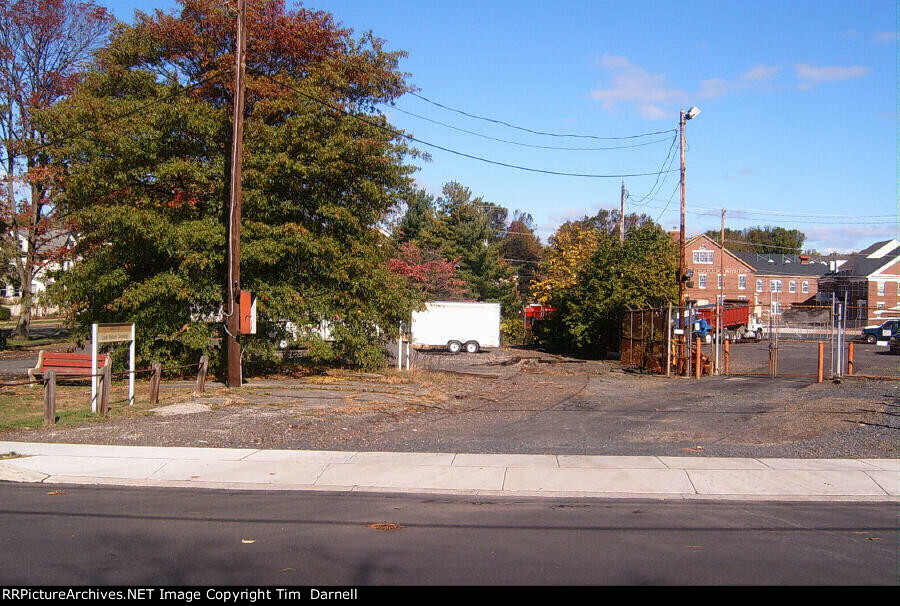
x: 800, y: 359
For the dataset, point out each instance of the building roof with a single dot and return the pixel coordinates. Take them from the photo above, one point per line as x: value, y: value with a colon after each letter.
x: 778, y: 264
x: 868, y: 261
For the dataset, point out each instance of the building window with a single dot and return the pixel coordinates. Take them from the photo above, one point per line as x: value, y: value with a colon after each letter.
x: 774, y: 285
x: 792, y: 286
x: 702, y: 280
x: 703, y: 256
x: 742, y: 298
x: 776, y: 307
x: 805, y: 286
x: 742, y: 282
x: 880, y: 305
x: 720, y: 282
x: 759, y: 286
x: 881, y: 289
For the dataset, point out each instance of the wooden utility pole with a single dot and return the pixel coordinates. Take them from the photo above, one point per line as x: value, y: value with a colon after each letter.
x: 720, y: 299
x: 233, y: 265
x: 622, y: 217
x: 681, y: 231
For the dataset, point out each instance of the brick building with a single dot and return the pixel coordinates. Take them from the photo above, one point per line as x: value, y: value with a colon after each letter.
x: 705, y: 258
x: 869, y: 282
x: 783, y: 280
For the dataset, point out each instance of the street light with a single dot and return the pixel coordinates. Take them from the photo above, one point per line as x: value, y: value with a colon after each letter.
x: 692, y: 113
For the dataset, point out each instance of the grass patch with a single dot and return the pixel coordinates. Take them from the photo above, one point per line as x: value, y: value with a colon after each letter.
x: 22, y: 407
x: 11, y: 455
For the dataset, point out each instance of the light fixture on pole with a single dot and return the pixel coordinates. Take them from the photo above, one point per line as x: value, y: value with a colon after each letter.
x: 690, y: 114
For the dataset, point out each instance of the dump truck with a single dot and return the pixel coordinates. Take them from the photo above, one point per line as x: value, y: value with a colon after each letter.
x: 457, y: 326
x: 737, y: 323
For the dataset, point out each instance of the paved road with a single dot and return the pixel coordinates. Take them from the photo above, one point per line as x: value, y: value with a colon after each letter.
x: 92, y: 535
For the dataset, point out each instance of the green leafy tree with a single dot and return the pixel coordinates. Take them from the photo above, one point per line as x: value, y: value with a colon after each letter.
x: 636, y: 274
x: 418, y: 215
x: 149, y: 191
x: 762, y: 240
x: 464, y: 228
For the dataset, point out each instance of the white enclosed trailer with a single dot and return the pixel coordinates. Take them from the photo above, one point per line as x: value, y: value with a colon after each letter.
x: 457, y: 326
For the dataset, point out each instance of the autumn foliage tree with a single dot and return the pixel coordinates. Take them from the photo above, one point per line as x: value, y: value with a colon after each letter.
x: 591, y: 278
x: 45, y: 45
x: 149, y: 190
x: 429, y: 273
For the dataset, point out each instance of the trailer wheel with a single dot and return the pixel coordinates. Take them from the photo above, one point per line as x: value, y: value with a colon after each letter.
x: 759, y: 334
x: 472, y: 347
x: 738, y: 334
x: 454, y: 347
x: 870, y: 339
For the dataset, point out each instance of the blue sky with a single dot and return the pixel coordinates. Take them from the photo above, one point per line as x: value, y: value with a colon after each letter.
x: 799, y: 105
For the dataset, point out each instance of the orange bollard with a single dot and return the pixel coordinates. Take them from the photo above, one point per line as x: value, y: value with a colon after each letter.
x: 820, y: 375
x: 697, y: 368
x: 850, y: 358
x: 727, y: 355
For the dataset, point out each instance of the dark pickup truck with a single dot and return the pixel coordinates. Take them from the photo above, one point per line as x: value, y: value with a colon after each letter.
x: 876, y: 333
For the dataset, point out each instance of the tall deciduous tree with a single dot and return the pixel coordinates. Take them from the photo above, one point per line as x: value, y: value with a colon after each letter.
x: 321, y: 170
x: 45, y: 45
x: 522, y: 249
x: 470, y: 229
x: 768, y: 239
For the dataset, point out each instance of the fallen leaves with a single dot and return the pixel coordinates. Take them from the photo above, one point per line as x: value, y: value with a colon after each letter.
x: 385, y: 526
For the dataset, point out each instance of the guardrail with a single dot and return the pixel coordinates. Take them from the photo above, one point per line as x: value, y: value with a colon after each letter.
x: 49, y: 378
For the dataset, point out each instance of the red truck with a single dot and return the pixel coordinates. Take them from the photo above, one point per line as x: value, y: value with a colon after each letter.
x: 737, y: 322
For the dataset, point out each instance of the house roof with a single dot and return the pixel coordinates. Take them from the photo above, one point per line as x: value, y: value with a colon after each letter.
x: 778, y: 264
x: 865, y: 263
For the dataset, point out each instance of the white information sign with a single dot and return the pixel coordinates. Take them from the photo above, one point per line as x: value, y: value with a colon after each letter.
x: 111, y: 333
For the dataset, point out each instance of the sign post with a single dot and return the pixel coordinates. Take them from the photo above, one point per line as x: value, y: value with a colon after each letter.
x: 112, y: 333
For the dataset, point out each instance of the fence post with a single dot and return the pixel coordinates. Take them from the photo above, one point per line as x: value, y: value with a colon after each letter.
x: 50, y: 397
x: 106, y: 382
x: 201, y: 373
x: 727, y: 345
x: 850, y: 358
x: 155, y: 376
x: 698, y: 368
x: 669, y: 341
x: 820, y: 374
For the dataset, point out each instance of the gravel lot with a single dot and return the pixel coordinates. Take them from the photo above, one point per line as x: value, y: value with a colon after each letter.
x: 520, y: 401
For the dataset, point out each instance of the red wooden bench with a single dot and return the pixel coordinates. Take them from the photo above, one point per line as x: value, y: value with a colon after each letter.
x: 66, y: 364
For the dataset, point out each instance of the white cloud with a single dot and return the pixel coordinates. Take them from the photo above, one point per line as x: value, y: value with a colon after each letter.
x: 760, y: 72
x: 652, y: 112
x: 850, y: 33
x: 633, y: 83
x: 650, y: 94
x: 848, y: 237
x: 810, y: 75
x: 884, y: 36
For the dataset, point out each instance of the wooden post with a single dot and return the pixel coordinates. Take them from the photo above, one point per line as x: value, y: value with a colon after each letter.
x: 201, y: 373
x: 155, y: 376
x: 850, y: 358
x: 50, y: 397
x: 727, y: 356
x: 106, y: 382
x: 820, y: 374
x: 698, y: 369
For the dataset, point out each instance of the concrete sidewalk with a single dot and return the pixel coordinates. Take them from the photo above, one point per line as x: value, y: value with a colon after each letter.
x: 470, y: 474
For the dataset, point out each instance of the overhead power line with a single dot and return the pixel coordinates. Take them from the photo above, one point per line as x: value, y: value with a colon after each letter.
x: 403, y: 135
x: 553, y: 147
x: 339, y: 58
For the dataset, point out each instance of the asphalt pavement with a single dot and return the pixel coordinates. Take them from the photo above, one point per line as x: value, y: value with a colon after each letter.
x: 86, y: 535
